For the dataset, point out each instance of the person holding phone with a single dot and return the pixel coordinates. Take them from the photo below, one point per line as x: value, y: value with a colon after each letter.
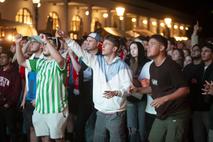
x: 51, y: 106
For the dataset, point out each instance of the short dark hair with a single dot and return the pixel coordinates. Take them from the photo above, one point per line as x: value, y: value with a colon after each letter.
x: 7, y: 52
x: 172, y: 41
x: 143, y: 38
x: 208, y: 45
x: 160, y: 39
x: 113, y: 39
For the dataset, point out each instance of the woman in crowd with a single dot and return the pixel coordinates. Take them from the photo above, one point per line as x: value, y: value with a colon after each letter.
x: 136, y: 102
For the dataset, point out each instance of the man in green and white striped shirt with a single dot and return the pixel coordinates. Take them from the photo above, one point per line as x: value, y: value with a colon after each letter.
x: 49, y: 117
x: 51, y: 97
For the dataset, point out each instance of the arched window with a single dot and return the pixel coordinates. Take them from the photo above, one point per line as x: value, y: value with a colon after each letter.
x: 76, y: 27
x: 55, y: 18
x: 24, y: 16
x: 76, y: 22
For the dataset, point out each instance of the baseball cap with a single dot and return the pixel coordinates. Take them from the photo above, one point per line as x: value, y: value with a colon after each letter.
x: 36, y: 39
x: 96, y: 36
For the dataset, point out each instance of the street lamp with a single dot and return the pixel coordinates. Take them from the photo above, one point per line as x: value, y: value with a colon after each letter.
x: 105, y: 15
x: 87, y: 12
x: 168, y: 22
x: 2, y: 1
x: 36, y: 1
x: 35, y: 5
x: 120, y: 11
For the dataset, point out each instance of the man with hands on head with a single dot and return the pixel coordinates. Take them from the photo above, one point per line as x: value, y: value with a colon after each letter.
x: 111, y: 80
x: 50, y: 114
x: 34, y: 46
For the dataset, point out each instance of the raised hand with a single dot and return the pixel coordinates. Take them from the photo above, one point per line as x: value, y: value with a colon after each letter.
x: 61, y: 33
x: 18, y: 39
x: 43, y: 38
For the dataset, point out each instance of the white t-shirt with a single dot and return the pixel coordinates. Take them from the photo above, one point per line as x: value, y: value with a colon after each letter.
x: 146, y: 75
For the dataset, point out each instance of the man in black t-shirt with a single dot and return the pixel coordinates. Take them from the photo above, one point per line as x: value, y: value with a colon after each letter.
x: 169, y: 91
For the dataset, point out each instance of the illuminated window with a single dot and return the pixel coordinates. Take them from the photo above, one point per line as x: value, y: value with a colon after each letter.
x: 76, y: 22
x: 153, y: 25
x: 162, y: 27
x: 24, y: 16
x: 55, y: 18
x: 143, y: 22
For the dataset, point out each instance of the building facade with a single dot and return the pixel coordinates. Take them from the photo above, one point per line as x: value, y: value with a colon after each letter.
x: 79, y: 17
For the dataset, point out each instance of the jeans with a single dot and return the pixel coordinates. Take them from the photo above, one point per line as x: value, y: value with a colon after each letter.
x: 90, y: 127
x: 136, y: 120
x: 112, y: 125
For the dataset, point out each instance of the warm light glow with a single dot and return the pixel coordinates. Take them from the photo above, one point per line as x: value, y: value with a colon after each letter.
x: 168, y: 21
x: 3, y: 34
x: 175, y: 27
x: 10, y: 38
x: 39, y: 4
x: 2, y: 1
x: 145, y: 22
x: 29, y: 23
x: 105, y: 15
x: 121, y: 18
x: 181, y: 27
x: 120, y: 11
x: 154, y: 23
x: 134, y: 20
x: 36, y: 1
x: 181, y: 38
x: 87, y: 13
x: 186, y: 28
x: 162, y: 24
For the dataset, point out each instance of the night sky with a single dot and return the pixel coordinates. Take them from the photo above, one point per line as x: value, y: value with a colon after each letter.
x: 200, y: 10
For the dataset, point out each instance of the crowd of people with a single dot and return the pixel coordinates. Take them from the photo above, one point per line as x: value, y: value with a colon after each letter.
x: 100, y: 89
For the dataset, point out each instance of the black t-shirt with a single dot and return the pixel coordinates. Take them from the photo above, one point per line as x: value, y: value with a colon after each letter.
x: 164, y: 80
